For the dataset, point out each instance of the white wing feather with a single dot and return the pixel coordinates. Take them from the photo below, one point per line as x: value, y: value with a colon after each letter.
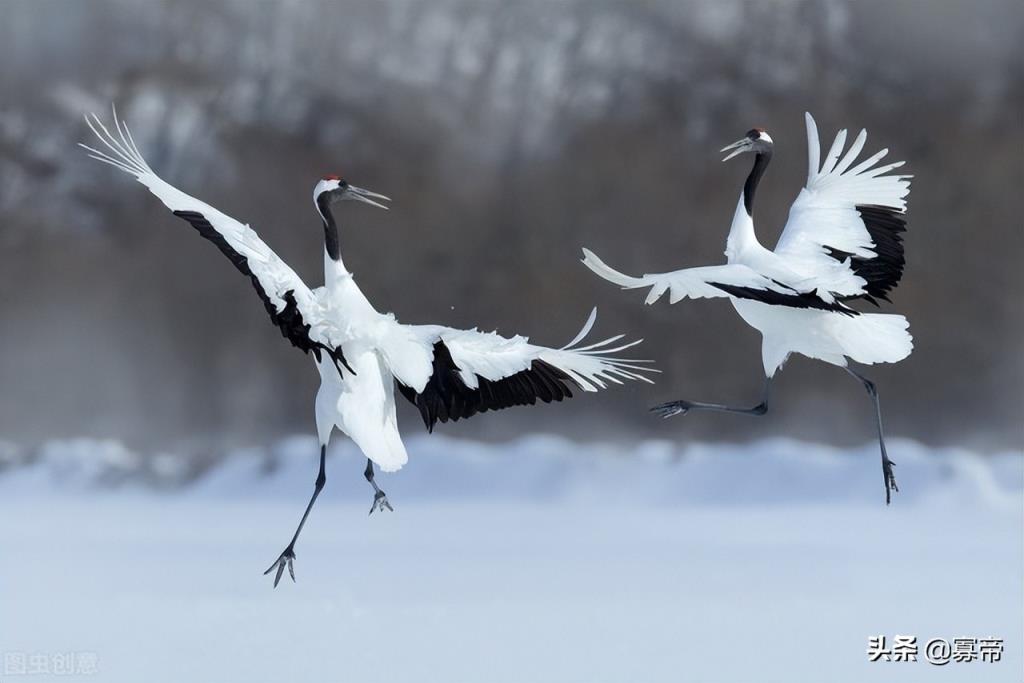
x: 494, y: 357
x: 824, y: 214
x: 692, y: 283
x: 274, y: 276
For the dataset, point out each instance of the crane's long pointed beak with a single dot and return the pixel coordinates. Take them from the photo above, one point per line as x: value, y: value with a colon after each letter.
x: 738, y: 147
x: 368, y: 197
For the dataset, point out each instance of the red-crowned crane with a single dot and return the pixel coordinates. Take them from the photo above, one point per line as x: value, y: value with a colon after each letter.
x: 843, y: 241
x: 361, y: 354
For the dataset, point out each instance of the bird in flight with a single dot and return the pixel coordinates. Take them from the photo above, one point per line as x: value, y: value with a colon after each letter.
x: 843, y: 242
x: 361, y: 354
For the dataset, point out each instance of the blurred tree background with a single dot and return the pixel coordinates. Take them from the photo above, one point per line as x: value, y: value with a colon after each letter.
x: 509, y: 134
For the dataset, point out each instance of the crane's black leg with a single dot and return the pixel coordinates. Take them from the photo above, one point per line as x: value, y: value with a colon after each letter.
x: 380, y: 499
x: 683, y: 407
x: 288, y: 556
x: 888, y: 477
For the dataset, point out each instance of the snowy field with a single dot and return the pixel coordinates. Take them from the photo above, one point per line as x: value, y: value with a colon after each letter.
x: 541, y: 560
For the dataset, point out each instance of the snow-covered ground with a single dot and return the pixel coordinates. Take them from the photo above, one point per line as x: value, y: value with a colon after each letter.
x: 540, y: 560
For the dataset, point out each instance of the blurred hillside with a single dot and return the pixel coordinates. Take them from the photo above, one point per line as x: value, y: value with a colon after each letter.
x: 509, y: 134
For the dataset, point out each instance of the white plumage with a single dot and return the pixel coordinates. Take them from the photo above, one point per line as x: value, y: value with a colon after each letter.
x: 842, y: 242
x: 807, y: 313
x: 824, y: 215
x: 689, y: 283
x: 361, y: 354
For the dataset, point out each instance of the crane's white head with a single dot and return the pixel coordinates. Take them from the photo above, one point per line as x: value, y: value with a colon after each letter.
x: 332, y: 189
x: 756, y: 140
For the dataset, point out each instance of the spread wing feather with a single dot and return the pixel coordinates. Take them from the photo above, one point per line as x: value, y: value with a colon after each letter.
x: 470, y: 372
x: 292, y: 306
x: 733, y: 279
x: 846, y: 225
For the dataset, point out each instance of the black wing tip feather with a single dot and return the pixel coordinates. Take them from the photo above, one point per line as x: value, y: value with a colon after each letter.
x: 289, y: 319
x: 886, y: 225
x: 204, y: 228
x: 774, y: 298
x: 447, y: 398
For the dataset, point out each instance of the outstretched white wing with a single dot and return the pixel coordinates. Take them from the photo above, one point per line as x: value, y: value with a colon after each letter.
x: 844, y: 228
x: 292, y: 306
x: 450, y: 374
x: 729, y: 280
x: 688, y: 283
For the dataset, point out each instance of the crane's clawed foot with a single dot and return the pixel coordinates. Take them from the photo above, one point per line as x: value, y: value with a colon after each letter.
x: 890, y: 480
x: 380, y: 501
x: 286, y: 558
x: 672, y: 408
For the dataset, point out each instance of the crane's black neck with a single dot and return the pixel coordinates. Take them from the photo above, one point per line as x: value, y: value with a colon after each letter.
x: 323, y: 204
x: 761, y: 161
